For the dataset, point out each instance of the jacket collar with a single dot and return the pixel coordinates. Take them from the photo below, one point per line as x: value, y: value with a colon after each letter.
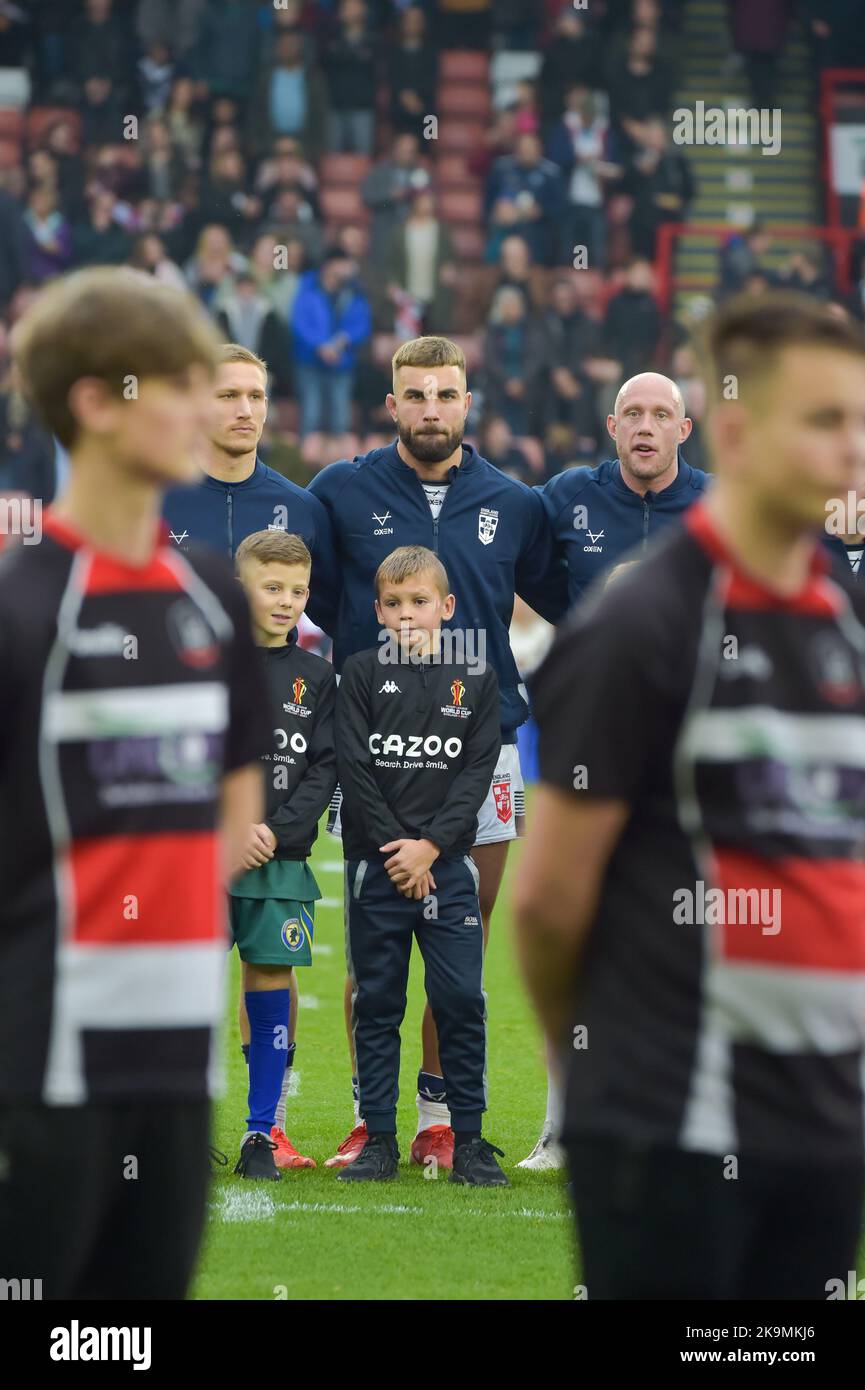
x: 274, y: 653
x: 681, y: 481
x: 255, y: 479
x: 470, y: 460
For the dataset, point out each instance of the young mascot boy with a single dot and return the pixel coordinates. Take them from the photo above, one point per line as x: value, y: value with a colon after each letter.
x: 417, y: 741
x: 273, y: 902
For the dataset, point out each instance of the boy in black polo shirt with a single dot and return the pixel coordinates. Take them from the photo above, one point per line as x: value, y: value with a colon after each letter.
x: 417, y: 739
x: 273, y: 902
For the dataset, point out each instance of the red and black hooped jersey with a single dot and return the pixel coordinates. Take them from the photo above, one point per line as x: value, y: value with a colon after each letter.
x: 126, y: 694
x: 723, y: 984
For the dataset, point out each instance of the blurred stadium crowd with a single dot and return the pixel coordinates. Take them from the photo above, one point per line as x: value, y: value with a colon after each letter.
x: 332, y: 178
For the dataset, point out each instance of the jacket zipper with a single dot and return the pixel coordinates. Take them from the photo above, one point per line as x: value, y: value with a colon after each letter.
x: 230, y: 526
x: 647, y: 512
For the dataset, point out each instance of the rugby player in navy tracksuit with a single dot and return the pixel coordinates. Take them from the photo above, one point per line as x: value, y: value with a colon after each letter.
x: 601, y: 515
x: 239, y: 495
x: 493, y: 537
x: 417, y: 737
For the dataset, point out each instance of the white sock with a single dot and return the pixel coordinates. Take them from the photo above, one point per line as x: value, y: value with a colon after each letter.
x: 279, y: 1119
x: 431, y: 1112
x: 555, y: 1103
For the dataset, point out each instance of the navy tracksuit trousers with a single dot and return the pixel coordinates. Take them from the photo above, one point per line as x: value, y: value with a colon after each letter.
x: 381, y: 924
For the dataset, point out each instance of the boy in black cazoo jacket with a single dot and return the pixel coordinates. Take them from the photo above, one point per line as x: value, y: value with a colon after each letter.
x: 417, y: 737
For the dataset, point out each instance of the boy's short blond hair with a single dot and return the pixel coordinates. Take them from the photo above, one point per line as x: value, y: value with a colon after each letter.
x: 273, y: 548
x: 113, y: 323
x: 407, y: 561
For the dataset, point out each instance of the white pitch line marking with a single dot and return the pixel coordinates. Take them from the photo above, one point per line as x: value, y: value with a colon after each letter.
x: 329, y: 902
x: 322, y: 948
x: 233, y: 1205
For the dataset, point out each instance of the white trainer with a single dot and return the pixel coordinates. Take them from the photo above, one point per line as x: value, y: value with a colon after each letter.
x: 547, y: 1154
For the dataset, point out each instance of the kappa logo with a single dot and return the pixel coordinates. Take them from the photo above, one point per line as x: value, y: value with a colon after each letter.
x: 488, y: 520
x: 382, y: 528
x: 390, y: 688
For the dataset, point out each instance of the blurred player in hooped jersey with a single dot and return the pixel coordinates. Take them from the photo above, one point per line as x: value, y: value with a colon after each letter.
x: 132, y: 724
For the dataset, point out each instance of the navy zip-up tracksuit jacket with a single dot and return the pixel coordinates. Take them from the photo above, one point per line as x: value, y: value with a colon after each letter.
x: 223, y: 514
x: 492, y: 536
x: 596, y: 518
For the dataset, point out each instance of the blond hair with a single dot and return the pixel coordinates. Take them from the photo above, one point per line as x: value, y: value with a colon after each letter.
x: 428, y: 352
x: 236, y: 352
x: 407, y: 561
x: 273, y: 548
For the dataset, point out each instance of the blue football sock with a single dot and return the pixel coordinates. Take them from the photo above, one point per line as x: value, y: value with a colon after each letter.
x: 268, y: 1011
x: 430, y: 1087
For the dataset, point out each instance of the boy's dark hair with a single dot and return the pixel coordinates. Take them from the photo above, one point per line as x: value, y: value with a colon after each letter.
x: 109, y: 322
x: 739, y: 345
x: 273, y: 547
x: 407, y: 561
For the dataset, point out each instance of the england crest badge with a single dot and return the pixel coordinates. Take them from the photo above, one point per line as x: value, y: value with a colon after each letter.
x: 488, y: 520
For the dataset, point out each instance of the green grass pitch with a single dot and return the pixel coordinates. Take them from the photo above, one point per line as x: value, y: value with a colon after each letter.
x: 310, y: 1236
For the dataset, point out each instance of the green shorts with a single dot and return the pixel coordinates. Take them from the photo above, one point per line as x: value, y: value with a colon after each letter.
x: 272, y: 913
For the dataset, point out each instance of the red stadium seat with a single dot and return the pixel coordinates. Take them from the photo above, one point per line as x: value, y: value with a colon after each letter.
x: 10, y: 154
x: 459, y: 99
x: 452, y: 171
x: 340, y: 203
x: 11, y: 123
x: 462, y: 65
x: 458, y: 136
x: 344, y: 168
x: 41, y: 117
x: 460, y: 205
x: 469, y: 242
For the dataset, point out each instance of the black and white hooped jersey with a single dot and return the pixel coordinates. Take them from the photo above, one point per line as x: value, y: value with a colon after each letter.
x: 722, y: 987
x: 126, y: 695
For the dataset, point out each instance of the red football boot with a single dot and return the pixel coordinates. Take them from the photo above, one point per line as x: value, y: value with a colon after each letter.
x: 285, y: 1154
x: 349, y: 1148
x: 437, y: 1141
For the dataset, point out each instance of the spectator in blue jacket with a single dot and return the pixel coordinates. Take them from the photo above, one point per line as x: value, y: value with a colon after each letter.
x: 599, y: 514
x: 330, y: 320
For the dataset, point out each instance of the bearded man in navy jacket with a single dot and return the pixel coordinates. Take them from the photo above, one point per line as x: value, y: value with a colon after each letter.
x: 492, y: 535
